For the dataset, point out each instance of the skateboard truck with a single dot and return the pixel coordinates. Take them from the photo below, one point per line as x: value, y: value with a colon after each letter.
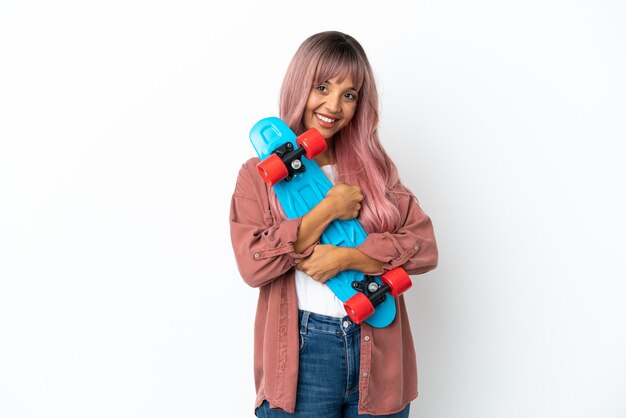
x: 291, y: 158
x: 374, y: 291
x: 370, y: 293
x: 284, y: 162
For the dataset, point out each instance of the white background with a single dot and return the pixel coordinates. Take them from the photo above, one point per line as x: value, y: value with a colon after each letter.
x: 123, y: 125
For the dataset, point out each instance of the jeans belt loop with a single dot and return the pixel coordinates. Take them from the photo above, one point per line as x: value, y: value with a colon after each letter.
x: 304, y: 323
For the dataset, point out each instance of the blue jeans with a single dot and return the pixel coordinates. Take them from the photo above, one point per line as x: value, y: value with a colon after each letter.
x: 328, y: 379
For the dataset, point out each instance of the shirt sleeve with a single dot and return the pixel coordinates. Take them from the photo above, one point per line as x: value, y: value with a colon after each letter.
x: 411, y: 246
x: 263, y: 243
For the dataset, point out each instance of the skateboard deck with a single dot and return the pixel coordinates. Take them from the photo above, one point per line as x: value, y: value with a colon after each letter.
x: 304, y: 190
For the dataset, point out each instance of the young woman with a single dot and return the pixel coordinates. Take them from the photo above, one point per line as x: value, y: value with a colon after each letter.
x: 310, y: 360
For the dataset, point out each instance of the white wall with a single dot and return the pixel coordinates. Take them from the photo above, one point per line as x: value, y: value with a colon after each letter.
x: 123, y: 125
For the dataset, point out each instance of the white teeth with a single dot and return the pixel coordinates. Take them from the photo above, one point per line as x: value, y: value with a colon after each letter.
x: 324, y: 119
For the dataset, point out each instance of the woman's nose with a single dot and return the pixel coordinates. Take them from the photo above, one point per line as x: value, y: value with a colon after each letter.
x: 333, y: 103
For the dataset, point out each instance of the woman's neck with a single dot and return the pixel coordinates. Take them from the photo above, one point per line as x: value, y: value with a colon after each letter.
x: 325, y: 157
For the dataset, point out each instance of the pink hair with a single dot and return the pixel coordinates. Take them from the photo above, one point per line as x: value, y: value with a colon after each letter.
x: 358, y: 153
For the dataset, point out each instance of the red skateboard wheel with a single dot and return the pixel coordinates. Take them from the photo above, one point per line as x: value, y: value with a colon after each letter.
x: 272, y: 169
x: 397, y: 280
x: 359, y: 308
x: 313, y: 143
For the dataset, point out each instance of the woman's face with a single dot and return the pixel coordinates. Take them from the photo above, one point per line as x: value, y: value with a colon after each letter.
x: 330, y: 106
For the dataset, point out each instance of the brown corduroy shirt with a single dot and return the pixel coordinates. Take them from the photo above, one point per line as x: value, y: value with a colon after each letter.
x: 263, y: 245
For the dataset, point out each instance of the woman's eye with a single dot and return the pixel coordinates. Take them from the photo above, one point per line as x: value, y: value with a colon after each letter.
x: 350, y: 96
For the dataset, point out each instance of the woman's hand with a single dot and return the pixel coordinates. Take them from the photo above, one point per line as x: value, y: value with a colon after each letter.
x: 324, y: 263
x: 345, y: 201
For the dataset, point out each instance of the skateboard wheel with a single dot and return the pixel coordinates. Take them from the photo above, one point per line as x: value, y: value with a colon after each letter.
x: 397, y: 280
x: 359, y: 307
x: 313, y: 143
x: 272, y: 169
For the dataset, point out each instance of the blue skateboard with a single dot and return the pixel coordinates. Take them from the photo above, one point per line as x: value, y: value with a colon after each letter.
x: 300, y: 184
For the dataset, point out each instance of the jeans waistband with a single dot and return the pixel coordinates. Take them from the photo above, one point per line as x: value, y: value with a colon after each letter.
x: 327, y: 324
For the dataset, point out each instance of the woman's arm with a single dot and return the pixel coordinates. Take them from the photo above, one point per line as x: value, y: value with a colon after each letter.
x: 326, y: 261
x: 411, y: 246
x: 263, y: 244
x: 341, y: 202
x: 266, y: 247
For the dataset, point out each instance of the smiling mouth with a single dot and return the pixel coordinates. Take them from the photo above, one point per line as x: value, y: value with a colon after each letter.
x: 324, y: 118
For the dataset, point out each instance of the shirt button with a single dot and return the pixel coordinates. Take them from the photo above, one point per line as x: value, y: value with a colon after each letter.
x: 367, y: 338
x: 365, y: 374
x: 257, y: 255
x: 417, y: 247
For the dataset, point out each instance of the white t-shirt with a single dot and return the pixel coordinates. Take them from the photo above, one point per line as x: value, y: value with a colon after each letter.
x: 314, y: 296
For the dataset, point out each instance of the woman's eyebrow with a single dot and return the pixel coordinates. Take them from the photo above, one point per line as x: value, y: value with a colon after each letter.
x: 330, y: 82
